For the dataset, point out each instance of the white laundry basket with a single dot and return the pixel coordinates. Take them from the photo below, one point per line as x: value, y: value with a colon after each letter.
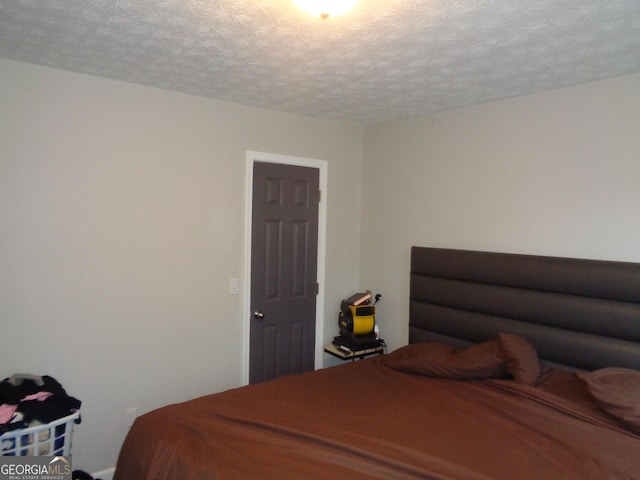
x: 48, y: 439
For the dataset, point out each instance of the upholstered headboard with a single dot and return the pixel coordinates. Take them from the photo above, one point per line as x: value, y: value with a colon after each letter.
x: 583, y: 314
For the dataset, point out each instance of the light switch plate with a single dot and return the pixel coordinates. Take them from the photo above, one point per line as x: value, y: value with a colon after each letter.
x: 234, y: 286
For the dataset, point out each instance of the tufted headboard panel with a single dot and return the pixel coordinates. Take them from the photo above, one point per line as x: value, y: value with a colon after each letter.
x: 582, y: 314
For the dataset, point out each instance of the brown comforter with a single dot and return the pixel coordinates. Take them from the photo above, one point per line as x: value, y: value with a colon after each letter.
x: 363, y: 420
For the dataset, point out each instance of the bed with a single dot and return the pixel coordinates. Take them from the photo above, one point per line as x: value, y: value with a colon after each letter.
x: 517, y: 366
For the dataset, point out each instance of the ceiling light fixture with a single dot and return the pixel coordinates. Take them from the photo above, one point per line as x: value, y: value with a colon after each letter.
x: 326, y: 8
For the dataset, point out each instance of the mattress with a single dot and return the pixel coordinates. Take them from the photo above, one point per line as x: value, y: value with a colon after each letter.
x: 365, y: 420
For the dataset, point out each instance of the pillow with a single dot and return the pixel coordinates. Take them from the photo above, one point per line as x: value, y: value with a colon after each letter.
x: 483, y: 360
x: 522, y: 359
x: 617, y: 391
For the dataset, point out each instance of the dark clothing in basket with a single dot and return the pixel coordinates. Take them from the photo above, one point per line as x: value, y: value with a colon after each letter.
x: 17, y: 391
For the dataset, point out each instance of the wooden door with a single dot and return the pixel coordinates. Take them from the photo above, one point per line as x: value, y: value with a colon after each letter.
x: 284, y: 250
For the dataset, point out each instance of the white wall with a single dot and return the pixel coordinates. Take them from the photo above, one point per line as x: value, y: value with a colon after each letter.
x: 121, y: 214
x: 556, y: 173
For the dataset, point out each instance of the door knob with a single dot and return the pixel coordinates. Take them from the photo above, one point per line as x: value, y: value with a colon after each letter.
x: 258, y: 314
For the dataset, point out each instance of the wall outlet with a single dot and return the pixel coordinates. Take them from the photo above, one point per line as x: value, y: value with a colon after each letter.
x: 130, y: 416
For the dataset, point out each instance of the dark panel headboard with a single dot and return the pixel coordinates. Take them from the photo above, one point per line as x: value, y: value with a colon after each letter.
x: 583, y: 314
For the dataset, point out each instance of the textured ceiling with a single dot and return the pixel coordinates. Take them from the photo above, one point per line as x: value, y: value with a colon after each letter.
x: 385, y: 60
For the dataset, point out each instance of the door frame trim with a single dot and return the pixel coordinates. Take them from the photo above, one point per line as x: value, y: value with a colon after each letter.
x: 322, y: 166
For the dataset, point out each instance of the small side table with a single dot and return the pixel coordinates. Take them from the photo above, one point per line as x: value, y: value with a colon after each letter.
x: 353, y: 354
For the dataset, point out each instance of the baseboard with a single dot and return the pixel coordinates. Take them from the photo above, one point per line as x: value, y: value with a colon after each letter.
x: 104, y: 474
